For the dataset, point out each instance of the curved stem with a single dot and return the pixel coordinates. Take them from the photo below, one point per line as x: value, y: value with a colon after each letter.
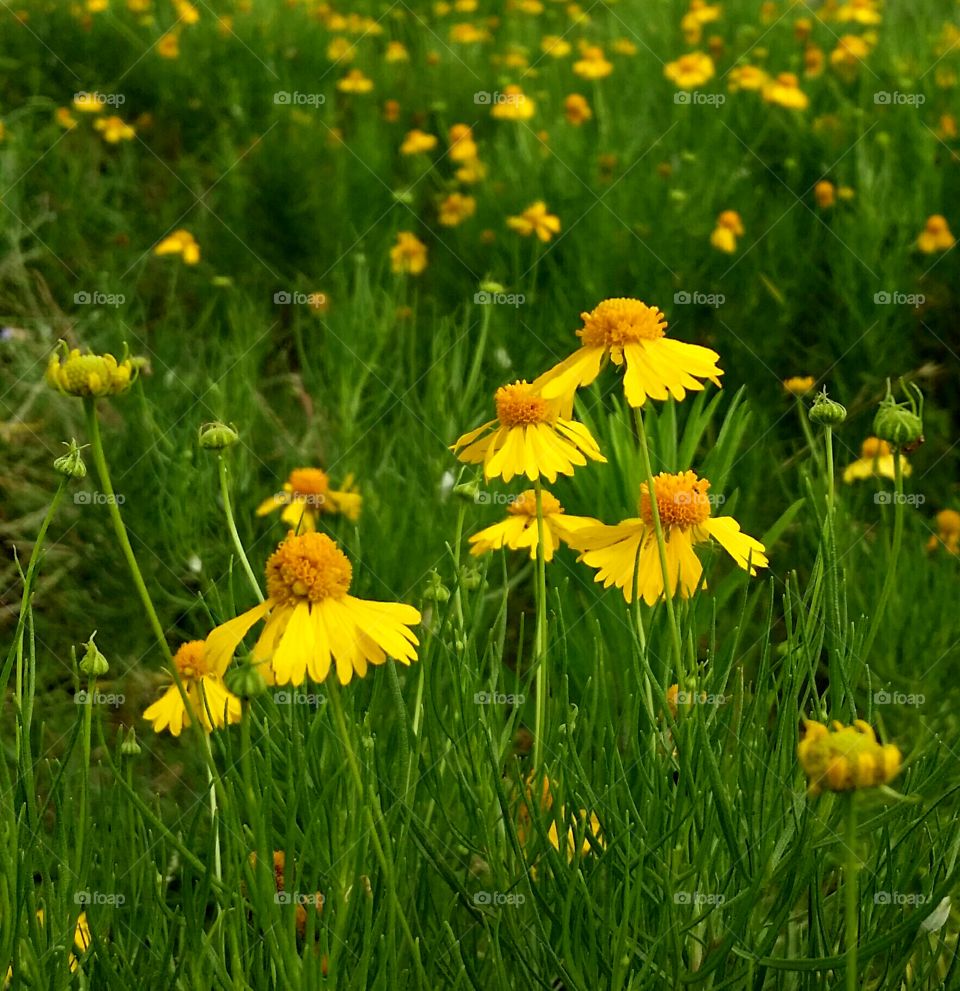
x: 540, y: 640
x: 232, y: 527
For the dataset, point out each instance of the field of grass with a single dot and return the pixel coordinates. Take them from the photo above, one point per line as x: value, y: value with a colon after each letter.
x: 323, y: 236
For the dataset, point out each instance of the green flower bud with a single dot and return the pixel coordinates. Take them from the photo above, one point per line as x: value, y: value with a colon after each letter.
x: 827, y: 412
x: 470, y: 579
x: 129, y: 746
x: 216, y: 436
x: 245, y: 681
x: 436, y: 591
x: 488, y: 285
x: 94, y: 663
x: 901, y: 424
x: 71, y: 464
x: 467, y: 491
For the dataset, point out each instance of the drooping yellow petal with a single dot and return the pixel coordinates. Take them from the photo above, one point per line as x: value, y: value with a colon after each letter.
x: 218, y: 706
x: 223, y: 641
x: 271, y: 504
x: 167, y: 712
x: 742, y: 548
x: 296, y: 647
x: 579, y: 369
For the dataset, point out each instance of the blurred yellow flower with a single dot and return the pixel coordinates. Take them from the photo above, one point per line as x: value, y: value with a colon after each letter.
x: 462, y: 146
x: 690, y: 70
x: 935, y: 236
x: 313, y: 623
x: 633, y: 335
x: 86, y: 375
x: 88, y: 103
x: 799, y: 385
x: 825, y: 194
x: 396, y: 52
x: 700, y: 13
x: 948, y: 532
x: 306, y: 496
x: 875, y: 461
x: 592, y: 64
x: 729, y: 228
x: 628, y: 554
x: 519, y: 531
x: 845, y: 758
x: 202, y: 680
x: 409, y: 255
x: 114, y: 130
x: 850, y: 51
x: 355, y: 82
x: 785, y: 91
x: 180, y: 242
x: 65, y: 119
x: 555, y: 46
x: 576, y: 109
x: 468, y: 34
x: 455, y: 209
x: 169, y: 45
x: 859, y: 11
x: 530, y: 436
x: 512, y: 104
x: 535, y: 220
x: 417, y: 143
x: 746, y: 77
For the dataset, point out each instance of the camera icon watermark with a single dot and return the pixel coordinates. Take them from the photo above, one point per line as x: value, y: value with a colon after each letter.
x: 897, y: 99
x: 698, y: 898
x: 498, y: 898
x: 498, y: 698
x: 282, y: 98
x: 113, y: 699
x: 883, y: 697
x: 315, y: 299
x: 499, y: 298
x: 95, y: 298
x: 884, y: 298
x: 89, y: 99
x: 901, y: 898
x: 485, y: 99
x: 697, y: 98
x: 313, y: 699
x: 684, y: 298
x: 702, y: 698
x: 98, y: 499
x: 99, y: 898
x: 892, y: 498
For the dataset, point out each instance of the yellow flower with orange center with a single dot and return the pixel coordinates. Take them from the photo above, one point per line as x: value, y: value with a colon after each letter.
x: 512, y: 104
x: 825, y: 193
x: 875, y: 461
x: 628, y: 555
x: 533, y: 806
x: 859, y: 12
x: 576, y: 109
x: 729, y: 228
x: 529, y: 437
x: 747, y: 77
x: 948, y: 532
x: 169, y: 45
x: 417, y: 143
x: 182, y: 243
x: 851, y: 50
x: 555, y: 46
x: 355, y: 82
x: 313, y: 623
x: 519, y: 531
x: 633, y: 335
x: 700, y: 13
x: 799, y: 385
x: 846, y: 758
x: 784, y: 91
x: 592, y: 64
x: 936, y: 236
x: 307, y: 495
x: 89, y: 375
x: 690, y: 70
x: 462, y: 146
x: 536, y: 219
x: 202, y: 678
x: 455, y: 209
x: 409, y: 255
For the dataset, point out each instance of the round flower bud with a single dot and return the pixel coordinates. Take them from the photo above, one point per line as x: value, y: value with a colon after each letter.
x: 90, y: 375
x: 245, y: 681
x: 93, y: 662
x: 436, y: 591
x: 129, y: 747
x: 490, y: 286
x: 900, y: 424
x: 71, y: 464
x: 216, y: 436
x: 827, y: 412
x: 467, y: 491
x: 470, y: 579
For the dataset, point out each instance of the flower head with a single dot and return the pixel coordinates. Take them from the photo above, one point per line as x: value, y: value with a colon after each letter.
x: 592, y: 64
x: 746, y: 77
x: 530, y: 436
x: 576, y: 109
x: 513, y: 104
x: 114, y: 129
x: 690, y: 70
x: 313, y: 623
x: 628, y: 554
x: 632, y: 335
x: 948, y: 532
x: 306, y: 496
x: 784, y: 91
x: 455, y: 208
x: 535, y: 220
x: 935, y: 236
x: 355, y: 82
x: 799, y: 385
x: 409, y: 255
x: 76, y: 374
x: 845, y: 758
x: 519, y: 531
x: 181, y: 242
x: 201, y: 675
x: 418, y: 143
x: 875, y: 461
x: 825, y: 193
x: 729, y: 228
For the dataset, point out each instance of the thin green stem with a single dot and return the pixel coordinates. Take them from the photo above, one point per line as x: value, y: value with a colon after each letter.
x: 890, y: 578
x: 540, y: 641
x: 851, y: 893
x: 87, y: 733
x: 232, y: 527
x: 661, y: 542
x: 828, y: 437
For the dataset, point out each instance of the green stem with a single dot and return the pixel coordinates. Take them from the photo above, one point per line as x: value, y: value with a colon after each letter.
x: 661, y: 543
x: 373, y: 824
x: 232, y: 527
x: 890, y: 578
x: 100, y: 461
x: 808, y: 433
x: 828, y: 436
x: 540, y: 641
x: 851, y: 893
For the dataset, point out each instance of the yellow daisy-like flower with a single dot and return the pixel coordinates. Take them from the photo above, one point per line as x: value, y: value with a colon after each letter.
x: 825, y: 193
x: 306, y: 496
x: 313, y: 623
x: 355, y: 82
x: 935, y: 236
x: 202, y: 677
x: 65, y: 119
x: 418, y: 143
x: 747, y: 77
x: 529, y: 437
x: 455, y: 209
x: 875, y: 461
x: 169, y: 45
x: 628, y: 554
x: 576, y: 109
x: 181, y: 242
x: 519, y: 530
x: 729, y: 228
x: 846, y: 758
x: 948, y: 532
x: 535, y: 220
x: 592, y: 64
x: 632, y: 334
x: 690, y: 70
x: 700, y: 13
x: 89, y: 374
x: 555, y: 46
x: 513, y: 104
x: 409, y: 255
x: 859, y: 11
x: 88, y: 103
x: 396, y: 52
x: 851, y: 50
x: 799, y: 385
x: 784, y: 91
x: 462, y: 146
x: 114, y: 129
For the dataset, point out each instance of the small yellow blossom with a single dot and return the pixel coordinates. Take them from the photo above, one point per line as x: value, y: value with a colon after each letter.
x: 746, y: 77
x: 785, y: 91
x: 355, y: 82
x: 690, y: 70
x: 181, y: 242
x: 535, y: 220
x: 512, y: 104
x: 935, y: 236
x: 417, y: 143
x: 799, y: 385
x: 948, y: 532
x: 409, y: 255
x: 576, y: 109
x: 169, y: 45
x: 825, y: 194
x: 876, y: 461
x: 592, y: 64
x: 113, y: 129
x: 89, y: 375
x: 845, y: 758
x: 729, y: 228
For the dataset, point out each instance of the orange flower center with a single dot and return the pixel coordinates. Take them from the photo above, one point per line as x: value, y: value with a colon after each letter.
x: 308, y: 566
x: 948, y: 521
x: 310, y: 484
x: 519, y: 406
x: 616, y: 322
x: 190, y: 660
x: 526, y: 504
x: 873, y: 447
x: 681, y: 499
